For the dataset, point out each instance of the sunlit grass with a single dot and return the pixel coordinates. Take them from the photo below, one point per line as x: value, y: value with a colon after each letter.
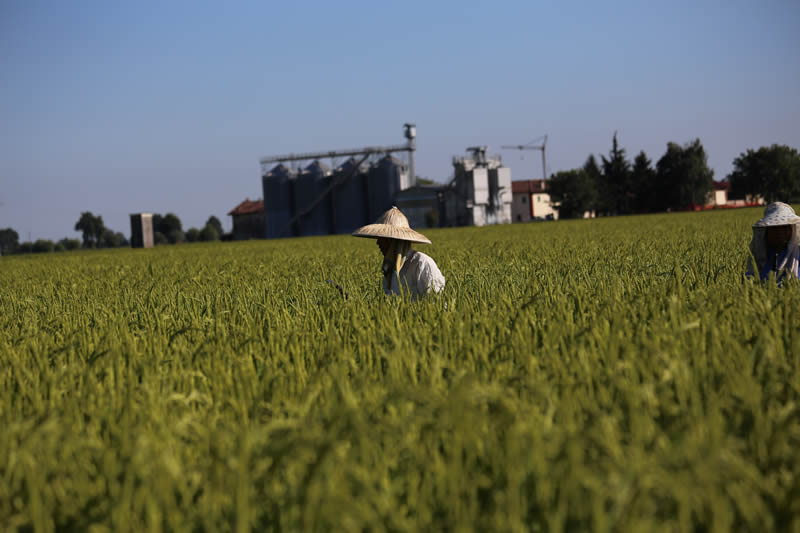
x: 606, y: 375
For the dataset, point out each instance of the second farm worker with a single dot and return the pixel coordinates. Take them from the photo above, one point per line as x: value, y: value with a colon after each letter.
x: 404, y: 269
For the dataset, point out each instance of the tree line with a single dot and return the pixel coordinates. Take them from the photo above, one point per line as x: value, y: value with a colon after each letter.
x: 167, y: 229
x: 680, y: 179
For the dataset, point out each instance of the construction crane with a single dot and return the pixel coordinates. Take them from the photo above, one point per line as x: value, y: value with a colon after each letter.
x: 532, y: 146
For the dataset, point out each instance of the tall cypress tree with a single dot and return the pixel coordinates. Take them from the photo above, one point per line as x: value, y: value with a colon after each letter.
x: 594, y: 179
x: 617, y: 181
x: 643, y: 184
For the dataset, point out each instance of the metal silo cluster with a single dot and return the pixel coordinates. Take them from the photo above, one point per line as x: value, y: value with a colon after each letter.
x: 319, y: 201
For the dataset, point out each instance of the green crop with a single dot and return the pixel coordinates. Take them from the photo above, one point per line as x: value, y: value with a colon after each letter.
x: 605, y: 375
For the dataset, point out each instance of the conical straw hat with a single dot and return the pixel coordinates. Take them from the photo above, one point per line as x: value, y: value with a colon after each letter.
x: 393, y: 224
x: 777, y: 214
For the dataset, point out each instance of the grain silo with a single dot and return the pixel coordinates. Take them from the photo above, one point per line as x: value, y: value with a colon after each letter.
x: 385, y: 179
x: 311, y: 204
x: 278, y: 205
x: 349, y: 197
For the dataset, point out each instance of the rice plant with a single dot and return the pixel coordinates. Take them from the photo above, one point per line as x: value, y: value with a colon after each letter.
x: 606, y: 375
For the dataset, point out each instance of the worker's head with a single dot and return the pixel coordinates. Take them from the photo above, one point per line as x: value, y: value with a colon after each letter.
x: 391, y: 226
x: 777, y: 237
x: 385, y: 244
x: 776, y: 230
x: 777, y: 226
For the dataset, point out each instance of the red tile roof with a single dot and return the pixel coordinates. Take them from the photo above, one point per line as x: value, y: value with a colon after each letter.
x: 248, y: 207
x: 529, y: 186
x: 722, y: 185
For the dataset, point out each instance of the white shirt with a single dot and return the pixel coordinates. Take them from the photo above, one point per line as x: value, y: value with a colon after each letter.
x: 419, y: 274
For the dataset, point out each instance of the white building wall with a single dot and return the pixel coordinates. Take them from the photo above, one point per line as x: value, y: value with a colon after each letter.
x: 480, y: 181
x: 542, y: 208
x: 504, y: 195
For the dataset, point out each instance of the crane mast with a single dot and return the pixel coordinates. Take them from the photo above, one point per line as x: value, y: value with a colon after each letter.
x: 531, y: 146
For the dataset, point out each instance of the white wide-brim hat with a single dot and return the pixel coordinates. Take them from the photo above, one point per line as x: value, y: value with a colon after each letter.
x: 777, y: 214
x: 393, y: 224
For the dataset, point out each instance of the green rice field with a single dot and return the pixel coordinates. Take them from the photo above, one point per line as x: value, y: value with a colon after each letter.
x: 616, y: 374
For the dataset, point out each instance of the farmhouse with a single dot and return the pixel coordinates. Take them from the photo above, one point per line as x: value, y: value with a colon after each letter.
x: 719, y: 194
x: 248, y: 220
x: 531, y: 201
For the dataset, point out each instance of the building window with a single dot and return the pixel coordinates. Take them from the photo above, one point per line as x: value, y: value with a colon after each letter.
x: 522, y: 199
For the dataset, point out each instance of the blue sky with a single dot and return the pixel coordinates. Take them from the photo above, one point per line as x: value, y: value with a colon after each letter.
x: 117, y: 107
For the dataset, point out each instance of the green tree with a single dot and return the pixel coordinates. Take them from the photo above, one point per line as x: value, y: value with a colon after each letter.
x: 192, y: 235
x: 209, y: 233
x: 9, y: 241
x: 643, y: 184
x: 683, y: 176
x: 43, y: 245
x: 595, y: 177
x: 615, y: 192
x: 176, y: 237
x: 110, y: 239
x: 156, y: 223
x: 772, y: 172
x: 169, y: 226
x: 573, y: 191
x: 592, y: 169
x: 216, y: 224
x: 92, y: 228
x: 70, y: 244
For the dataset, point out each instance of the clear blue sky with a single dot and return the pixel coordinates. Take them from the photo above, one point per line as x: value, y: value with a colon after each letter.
x: 117, y: 107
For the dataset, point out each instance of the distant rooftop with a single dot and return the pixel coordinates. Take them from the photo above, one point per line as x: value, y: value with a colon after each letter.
x: 529, y: 186
x: 248, y: 207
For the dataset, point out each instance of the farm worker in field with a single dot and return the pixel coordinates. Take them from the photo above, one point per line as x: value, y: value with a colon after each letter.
x: 775, y: 243
x: 404, y: 269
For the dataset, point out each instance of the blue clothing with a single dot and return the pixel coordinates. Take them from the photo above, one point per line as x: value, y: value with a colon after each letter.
x: 770, y: 265
x: 774, y: 259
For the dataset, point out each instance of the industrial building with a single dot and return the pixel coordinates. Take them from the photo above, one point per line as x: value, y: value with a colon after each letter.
x: 479, y: 193
x: 316, y: 199
x: 320, y: 201
x: 312, y: 198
